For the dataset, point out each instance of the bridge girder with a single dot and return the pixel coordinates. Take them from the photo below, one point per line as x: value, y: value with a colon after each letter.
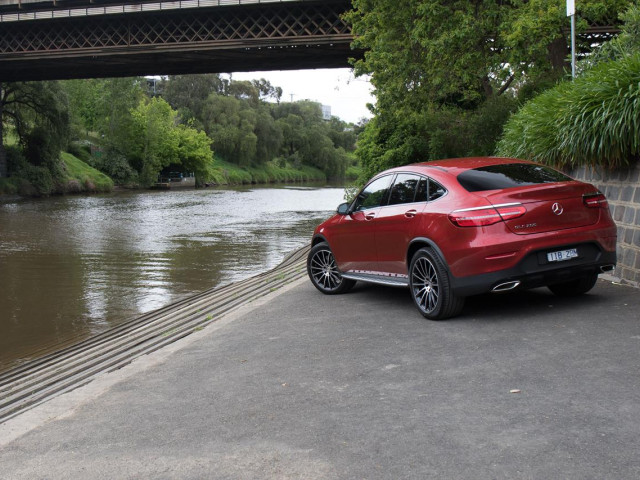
x: 272, y: 36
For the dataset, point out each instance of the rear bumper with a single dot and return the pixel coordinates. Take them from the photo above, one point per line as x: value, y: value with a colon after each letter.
x: 534, y: 270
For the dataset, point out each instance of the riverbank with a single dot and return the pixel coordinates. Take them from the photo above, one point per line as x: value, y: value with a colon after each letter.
x: 79, y: 177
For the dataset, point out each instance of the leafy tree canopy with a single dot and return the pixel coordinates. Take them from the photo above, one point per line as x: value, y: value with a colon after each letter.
x: 461, y: 52
x: 594, y: 119
x: 447, y: 75
x: 38, y: 112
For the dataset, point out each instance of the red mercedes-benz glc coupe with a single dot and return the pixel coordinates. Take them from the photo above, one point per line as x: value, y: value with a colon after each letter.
x: 453, y: 228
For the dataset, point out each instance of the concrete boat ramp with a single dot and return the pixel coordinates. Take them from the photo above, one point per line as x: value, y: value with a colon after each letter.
x: 38, y: 381
x: 292, y: 384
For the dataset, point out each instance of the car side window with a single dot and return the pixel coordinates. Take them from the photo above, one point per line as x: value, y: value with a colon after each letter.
x: 435, y: 190
x: 421, y: 192
x: 404, y: 189
x: 373, y: 195
x: 429, y: 190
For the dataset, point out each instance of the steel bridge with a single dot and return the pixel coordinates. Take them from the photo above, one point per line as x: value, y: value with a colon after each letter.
x: 62, y: 39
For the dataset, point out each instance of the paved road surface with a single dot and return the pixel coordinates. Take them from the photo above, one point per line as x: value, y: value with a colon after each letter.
x: 360, y: 386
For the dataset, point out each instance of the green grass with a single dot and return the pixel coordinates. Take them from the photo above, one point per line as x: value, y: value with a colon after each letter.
x: 78, y: 177
x: 81, y: 177
x: 221, y: 172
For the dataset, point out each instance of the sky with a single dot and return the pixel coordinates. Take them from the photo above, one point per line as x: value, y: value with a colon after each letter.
x: 347, y: 96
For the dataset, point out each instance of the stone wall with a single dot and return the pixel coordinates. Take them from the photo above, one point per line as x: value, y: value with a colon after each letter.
x: 622, y: 189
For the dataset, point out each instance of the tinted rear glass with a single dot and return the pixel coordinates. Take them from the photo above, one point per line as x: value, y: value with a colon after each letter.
x: 497, y: 177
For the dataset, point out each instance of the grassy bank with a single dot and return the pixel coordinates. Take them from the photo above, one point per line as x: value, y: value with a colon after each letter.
x: 225, y: 173
x: 77, y: 177
x: 81, y: 177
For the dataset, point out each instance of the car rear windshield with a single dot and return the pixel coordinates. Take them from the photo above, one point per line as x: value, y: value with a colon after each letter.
x: 497, y: 177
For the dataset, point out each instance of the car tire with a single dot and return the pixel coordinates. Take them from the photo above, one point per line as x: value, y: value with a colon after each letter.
x: 430, y: 286
x: 575, y: 287
x: 324, y: 273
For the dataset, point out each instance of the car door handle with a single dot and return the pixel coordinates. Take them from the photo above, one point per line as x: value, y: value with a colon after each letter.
x: 410, y: 213
x: 370, y: 216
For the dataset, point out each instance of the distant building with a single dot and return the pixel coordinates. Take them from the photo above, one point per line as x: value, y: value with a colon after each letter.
x: 326, y: 112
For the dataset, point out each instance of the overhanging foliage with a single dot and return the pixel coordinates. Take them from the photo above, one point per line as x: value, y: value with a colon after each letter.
x: 594, y: 120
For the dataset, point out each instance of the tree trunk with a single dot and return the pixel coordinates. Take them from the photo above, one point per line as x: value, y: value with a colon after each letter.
x: 3, y: 152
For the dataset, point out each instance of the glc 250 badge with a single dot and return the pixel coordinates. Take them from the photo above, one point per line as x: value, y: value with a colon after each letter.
x: 527, y: 225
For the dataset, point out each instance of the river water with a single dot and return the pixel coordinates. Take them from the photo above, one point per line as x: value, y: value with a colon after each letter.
x: 72, y: 267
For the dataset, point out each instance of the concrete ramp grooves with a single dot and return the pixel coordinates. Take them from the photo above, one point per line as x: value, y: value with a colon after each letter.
x: 37, y: 381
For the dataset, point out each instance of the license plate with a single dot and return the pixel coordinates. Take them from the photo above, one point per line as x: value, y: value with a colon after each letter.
x: 562, y: 255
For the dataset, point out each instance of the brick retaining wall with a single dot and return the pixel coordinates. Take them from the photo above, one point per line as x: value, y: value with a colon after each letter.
x: 622, y: 189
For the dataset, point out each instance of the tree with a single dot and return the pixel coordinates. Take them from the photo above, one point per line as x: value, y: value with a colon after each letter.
x: 194, y: 150
x: 433, y: 62
x: 31, y: 106
x: 187, y: 94
x: 119, y: 96
x: 248, y: 130
x: 266, y: 90
x: 268, y: 136
x: 229, y: 123
x: 154, y: 141
x: 157, y: 141
x: 86, y: 103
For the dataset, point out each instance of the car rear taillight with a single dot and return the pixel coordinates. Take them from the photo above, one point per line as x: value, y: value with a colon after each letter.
x: 595, y: 200
x: 483, y: 216
x: 508, y: 212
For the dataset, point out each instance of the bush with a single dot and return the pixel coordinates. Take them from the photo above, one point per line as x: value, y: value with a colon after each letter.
x: 15, y: 159
x: 40, y: 179
x: 42, y: 149
x: 9, y: 186
x: 116, y: 166
x: 594, y: 120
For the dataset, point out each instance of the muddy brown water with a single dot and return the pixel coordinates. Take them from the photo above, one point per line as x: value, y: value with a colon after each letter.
x: 72, y: 267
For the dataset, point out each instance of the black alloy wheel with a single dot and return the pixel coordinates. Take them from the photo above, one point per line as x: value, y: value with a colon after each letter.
x: 324, y: 273
x: 430, y: 287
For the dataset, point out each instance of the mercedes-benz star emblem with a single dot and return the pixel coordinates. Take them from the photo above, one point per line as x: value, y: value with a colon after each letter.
x: 557, y: 208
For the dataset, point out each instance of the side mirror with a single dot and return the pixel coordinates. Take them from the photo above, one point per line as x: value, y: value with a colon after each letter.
x: 343, y: 209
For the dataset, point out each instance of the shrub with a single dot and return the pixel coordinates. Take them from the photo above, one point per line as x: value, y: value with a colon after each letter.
x: 594, y: 120
x: 116, y: 166
x: 15, y: 159
x: 42, y: 149
x: 40, y: 179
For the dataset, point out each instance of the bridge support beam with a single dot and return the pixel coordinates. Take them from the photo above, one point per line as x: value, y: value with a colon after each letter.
x: 269, y: 36
x: 3, y: 152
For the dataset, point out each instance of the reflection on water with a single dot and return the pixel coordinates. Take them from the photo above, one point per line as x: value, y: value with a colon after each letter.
x: 71, y: 267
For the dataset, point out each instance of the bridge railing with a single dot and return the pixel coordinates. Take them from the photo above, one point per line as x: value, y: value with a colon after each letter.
x: 120, y: 8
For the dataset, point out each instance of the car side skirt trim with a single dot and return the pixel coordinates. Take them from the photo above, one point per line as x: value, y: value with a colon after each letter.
x: 391, y: 281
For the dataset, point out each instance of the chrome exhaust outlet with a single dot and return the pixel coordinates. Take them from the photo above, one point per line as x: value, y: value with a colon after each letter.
x: 506, y: 286
x: 607, y: 268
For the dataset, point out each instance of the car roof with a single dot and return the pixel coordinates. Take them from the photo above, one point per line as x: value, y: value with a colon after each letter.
x: 455, y: 166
